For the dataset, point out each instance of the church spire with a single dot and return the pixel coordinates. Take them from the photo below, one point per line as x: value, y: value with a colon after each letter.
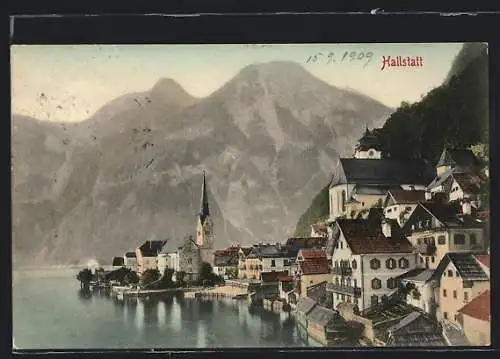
x: 204, y: 211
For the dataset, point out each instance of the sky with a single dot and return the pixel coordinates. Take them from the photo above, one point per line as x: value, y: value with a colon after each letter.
x: 68, y: 83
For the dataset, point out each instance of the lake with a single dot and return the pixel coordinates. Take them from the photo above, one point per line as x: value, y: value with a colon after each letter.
x: 51, y: 312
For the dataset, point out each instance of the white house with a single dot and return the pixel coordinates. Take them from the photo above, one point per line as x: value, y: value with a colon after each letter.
x: 367, y: 260
x: 162, y: 262
x: 421, y: 286
x: 147, y: 255
x: 130, y: 261
x: 399, y: 203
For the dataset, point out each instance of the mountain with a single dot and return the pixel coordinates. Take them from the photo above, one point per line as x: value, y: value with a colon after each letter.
x: 268, y: 139
x: 454, y: 114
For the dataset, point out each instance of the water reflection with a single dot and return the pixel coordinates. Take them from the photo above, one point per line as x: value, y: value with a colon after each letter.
x: 85, y: 294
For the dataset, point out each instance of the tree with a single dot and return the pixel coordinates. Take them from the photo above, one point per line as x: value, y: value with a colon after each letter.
x: 148, y: 277
x: 131, y: 278
x: 207, y: 275
x: 167, y: 281
x: 85, y: 276
x: 232, y: 273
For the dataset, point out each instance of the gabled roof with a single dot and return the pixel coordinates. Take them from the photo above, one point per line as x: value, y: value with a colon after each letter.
x: 441, y: 179
x: 465, y: 263
x: 266, y: 251
x: 312, y: 253
x: 294, y: 245
x: 464, y: 160
x: 385, y: 172
x: 152, y: 248
x: 468, y: 182
x: 450, y: 214
x: 312, y: 267
x: 365, y: 236
x: 305, y: 305
x: 418, y: 275
x: 400, y: 196
x: 479, y: 307
x: 410, y: 318
x: 321, y: 316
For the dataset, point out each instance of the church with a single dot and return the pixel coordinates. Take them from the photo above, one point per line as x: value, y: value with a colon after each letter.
x: 204, y: 228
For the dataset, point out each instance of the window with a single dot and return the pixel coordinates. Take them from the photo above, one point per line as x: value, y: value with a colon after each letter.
x: 419, y: 241
x: 408, y: 209
x: 374, y: 300
x: 421, y: 260
x: 336, y: 280
x: 390, y: 263
x: 355, y: 282
x: 336, y: 264
x: 459, y: 239
x: 338, y: 296
x: 391, y: 283
x: 343, y: 200
x: 343, y: 297
x: 376, y: 283
x: 341, y: 245
x: 473, y: 239
x: 466, y: 296
x: 441, y: 240
x: 348, y: 299
x: 374, y: 263
x: 273, y: 263
x: 455, y: 294
x: 354, y: 264
x: 450, y: 273
x: 389, y: 210
x: 433, y: 259
x: 457, y: 274
x: 403, y: 263
x: 445, y: 315
x: 444, y: 292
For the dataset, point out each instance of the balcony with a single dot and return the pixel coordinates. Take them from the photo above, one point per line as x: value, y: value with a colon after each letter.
x: 342, y: 271
x: 344, y: 289
x: 426, y: 249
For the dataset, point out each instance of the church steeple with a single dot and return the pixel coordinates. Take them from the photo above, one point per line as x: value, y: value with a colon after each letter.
x: 204, y: 210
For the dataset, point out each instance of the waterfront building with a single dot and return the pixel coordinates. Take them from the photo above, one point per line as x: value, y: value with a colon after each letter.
x: 312, y: 268
x: 295, y: 244
x: 205, y: 237
x: 475, y: 319
x: 368, y: 257
x: 242, y: 265
x: 226, y: 262
x: 462, y: 278
x: 130, y: 261
x: 436, y: 228
x: 169, y: 256
x: 304, y: 306
x: 265, y: 258
x: 147, y: 255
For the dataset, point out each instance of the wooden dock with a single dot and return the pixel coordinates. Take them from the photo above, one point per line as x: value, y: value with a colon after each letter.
x: 225, y: 292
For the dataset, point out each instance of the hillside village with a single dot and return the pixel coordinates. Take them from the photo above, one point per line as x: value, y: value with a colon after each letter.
x: 402, y: 259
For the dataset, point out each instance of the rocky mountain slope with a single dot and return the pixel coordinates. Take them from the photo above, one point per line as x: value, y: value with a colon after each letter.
x: 268, y: 139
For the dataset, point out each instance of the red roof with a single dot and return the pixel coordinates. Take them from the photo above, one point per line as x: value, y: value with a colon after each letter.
x: 484, y: 259
x: 312, y: 253
x: 479, y: 307
x: 227, y: 252
x: 312, y: 267
x: 365, y: 236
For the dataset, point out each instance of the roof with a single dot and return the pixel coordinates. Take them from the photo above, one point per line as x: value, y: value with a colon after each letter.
x: 479, y: 307
x: 312, y: 253
x: 466, y: 265
x: 305, y: 305
x: 442, y: 178
x: 171, y: 246
x: 118, y: 261
x: 294, y: 245
x: 266, y: 251
x: 370, y: 190
x: 405, y: 321
x: 418, y: 340
x: 418, y: 275
x: 246, y: 250
x: 204, y: 210
x: 321, y: 315
x: 365, y: 236
x: 450, y: 214
x: 387, y: 172
x: 468, y: 182
x: 369, y: 140
x: 130, y: 255
x: 462, y: 159
x: 152, y: 248
x: 268, y: 277
x: 318, y: 292
x: 401, y: 196
x: 484, y: 259
x: 312, y: 267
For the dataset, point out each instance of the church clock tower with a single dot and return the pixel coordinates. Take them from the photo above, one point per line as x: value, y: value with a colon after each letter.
x: 204, y: 228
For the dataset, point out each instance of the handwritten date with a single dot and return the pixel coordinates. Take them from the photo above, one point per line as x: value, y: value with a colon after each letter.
x: 346, y: 56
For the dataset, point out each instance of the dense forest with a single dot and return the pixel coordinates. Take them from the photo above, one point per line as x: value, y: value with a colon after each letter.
x: 453, y: 115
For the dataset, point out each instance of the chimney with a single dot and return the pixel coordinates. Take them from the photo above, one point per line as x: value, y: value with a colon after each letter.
x: 386, y: 228
x: 428, y: 195
x: 466, y: 207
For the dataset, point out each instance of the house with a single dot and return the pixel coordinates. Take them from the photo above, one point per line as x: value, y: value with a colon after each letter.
x: 364, y: 197
x: 269, y: 284
x: 461, y: 279
x: 147, y: 255
x: 242, y: 257
x: 304, y: 306
x: 415, y: 330
x: 475, y: 319
x: 369, y: 255
x: 170, y: 253
x: 118, y: 262
x: 130, y: 261
x: 295, y: 244
x: 312, y: 268
x: 266, y: 258
x: 225, y: 261
x: 319, y: 320
x: 399, y: 203
x: 436, y: 228
x: 286, y: 286
x: 421, y: 286
x: 369, y: 174
x: 190, y: 259
x: 459, y: 160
